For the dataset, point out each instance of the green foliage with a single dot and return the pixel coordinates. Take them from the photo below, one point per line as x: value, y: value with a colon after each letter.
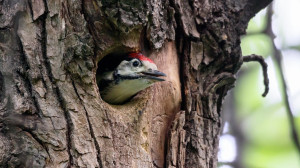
x: 269, y: 142
x: 263, y: 121
x: 247, y: 96
x: 265, y: 125
x: 257, y: 24
x: 259, y: 44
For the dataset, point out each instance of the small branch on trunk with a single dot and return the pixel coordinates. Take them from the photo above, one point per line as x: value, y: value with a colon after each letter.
x: 264, y: 66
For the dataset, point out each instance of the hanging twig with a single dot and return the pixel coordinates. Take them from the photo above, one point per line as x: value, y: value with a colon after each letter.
x: 264, y: 66
x: 277, y: 57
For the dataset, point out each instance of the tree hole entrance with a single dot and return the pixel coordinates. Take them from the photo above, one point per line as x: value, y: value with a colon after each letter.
x: 107, y: 76
x: 120, y: 76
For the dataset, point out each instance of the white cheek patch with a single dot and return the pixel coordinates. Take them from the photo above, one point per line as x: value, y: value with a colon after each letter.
x: 124, y: 69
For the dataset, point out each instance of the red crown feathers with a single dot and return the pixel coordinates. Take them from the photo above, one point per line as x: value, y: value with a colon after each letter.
x: 140, y: 57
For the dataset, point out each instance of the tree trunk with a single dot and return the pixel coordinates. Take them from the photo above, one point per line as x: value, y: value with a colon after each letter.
x: 51, y: 112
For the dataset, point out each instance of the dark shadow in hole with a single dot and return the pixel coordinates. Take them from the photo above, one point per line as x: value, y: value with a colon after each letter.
x: 110, y: 62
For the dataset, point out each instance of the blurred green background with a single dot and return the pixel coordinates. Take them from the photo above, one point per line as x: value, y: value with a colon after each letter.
x: 257, y: 130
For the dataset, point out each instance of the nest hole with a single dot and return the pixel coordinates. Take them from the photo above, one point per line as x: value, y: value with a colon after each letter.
x: 107, y: 64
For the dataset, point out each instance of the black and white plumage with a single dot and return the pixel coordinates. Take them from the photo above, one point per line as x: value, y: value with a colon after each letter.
x: 121, y: 77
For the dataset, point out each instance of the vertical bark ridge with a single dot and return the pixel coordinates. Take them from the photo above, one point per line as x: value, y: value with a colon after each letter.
x: 83, y: 11
x: 24, y: 74
x: 68, y: 30
x: 45, y: 75
x: 28, y: 85
x: 210, y: 54
x: 90, y: 127
x: 69, y: 125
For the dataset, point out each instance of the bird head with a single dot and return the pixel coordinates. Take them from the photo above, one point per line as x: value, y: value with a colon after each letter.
x: 124, y: 79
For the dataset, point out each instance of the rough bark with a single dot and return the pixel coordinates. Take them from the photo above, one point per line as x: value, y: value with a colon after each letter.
x: 51, y: 112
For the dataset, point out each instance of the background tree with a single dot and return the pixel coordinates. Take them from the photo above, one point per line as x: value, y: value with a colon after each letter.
x: 51, y: 113
x: 265, y: 131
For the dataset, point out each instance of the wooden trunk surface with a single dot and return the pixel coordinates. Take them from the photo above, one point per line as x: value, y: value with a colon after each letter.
x: 51, y: 112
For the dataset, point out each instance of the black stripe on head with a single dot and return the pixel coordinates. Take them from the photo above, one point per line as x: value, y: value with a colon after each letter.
x: 118, y: 77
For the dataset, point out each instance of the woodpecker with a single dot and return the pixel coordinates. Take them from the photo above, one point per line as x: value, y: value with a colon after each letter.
x: 121, y: 79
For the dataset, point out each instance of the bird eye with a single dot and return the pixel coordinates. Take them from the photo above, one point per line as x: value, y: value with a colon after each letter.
x: 135, y: 63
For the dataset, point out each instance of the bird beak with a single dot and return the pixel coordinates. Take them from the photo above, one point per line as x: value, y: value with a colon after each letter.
x: 154, y: 75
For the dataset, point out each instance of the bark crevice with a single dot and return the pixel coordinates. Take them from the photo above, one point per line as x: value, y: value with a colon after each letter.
x: 23, y: 73
x: 90, y: 127
x: 48, y: 70
x: 69, y: 126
